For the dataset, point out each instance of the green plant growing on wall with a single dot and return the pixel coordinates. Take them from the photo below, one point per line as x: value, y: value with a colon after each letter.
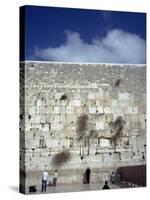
x: 117, y: 126
x: 60, y: 158
x: 63, y: 97
x: 82, y: 126
x: 93, y: 134
x: 117, y: 82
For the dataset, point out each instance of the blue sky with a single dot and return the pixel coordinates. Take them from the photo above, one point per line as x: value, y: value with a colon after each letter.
x: 79, y: 35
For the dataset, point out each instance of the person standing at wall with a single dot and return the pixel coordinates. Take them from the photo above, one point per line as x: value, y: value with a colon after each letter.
x: 88, y: 172
x: 105, y: 187
x: 113, y: 177
x: 55, y: 177
x: 44, y: 181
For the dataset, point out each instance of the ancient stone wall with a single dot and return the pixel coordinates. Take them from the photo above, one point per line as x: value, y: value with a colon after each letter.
x: 75, y: 116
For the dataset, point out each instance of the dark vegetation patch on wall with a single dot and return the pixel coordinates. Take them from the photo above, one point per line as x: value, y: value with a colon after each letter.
x: 82, y: 126
x: 117, y: 126
x: 61, y: 158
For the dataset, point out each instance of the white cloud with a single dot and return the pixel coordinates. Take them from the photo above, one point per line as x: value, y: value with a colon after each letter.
x: 116, y: 47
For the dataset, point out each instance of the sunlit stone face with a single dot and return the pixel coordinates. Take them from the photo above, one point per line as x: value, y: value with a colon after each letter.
x: 105, y: 143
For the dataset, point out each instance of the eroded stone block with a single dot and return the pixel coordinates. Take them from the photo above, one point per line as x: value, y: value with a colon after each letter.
x: 92, y: 110
x: 91, y: 96
x: 105, y: 143
x: 124, y: 96
x: 99, y: 125
x: 56, y: 127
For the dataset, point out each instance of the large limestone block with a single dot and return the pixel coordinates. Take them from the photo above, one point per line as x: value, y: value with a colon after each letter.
x: 100, y: 109
x: 78, y: 110
x: 100, y: 125
x: 32, y: 110
x: 107, y: 109
x: 46, y: 127
x: 76, y: 96
x: 126, y: 156
x: 132, y: 110
x: 105, y: 143
x: 91, y: 96
x: 115, y: 110
x: 99, y: 102
x: 35, y: 127
x: 39, y: 119
x: 52, y: 143
x: 100, y: 95
x: 75, y: 103
x: 92, y: 110
x: 55, y: 119
x: 133, y: 143
x: 141, y: 141
x: 62, y: 110
x: 91, y: 103
x: 69, y: 110
x: 51, y: 102
x: 27, y: 127
x: 124, y: 96
x: 56, y: 110
x: 135, y: 110
x: 123, y: 103
x: 114, y: 102
x: 31, y: 143
x: 42, y: 110
x: 50, y: 110
x: 43, y: 118
x: 129, y: 110
x: 56, y: 127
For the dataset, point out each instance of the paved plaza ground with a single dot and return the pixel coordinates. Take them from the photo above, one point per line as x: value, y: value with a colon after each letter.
x: 77, y: 188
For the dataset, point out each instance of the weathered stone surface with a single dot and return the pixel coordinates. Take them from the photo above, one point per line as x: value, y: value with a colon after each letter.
x: 57, y: 94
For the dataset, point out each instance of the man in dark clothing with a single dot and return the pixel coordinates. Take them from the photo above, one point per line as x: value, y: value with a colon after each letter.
x: 106, y: 186
x: 88, y: 171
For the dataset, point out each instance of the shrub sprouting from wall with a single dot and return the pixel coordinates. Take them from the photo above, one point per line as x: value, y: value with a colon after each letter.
x: 63, y: 97
x: 117, y: 83
x: 61, y: 158
x: 117, y: 126
x: 93, y: 134
x: 82, y: 126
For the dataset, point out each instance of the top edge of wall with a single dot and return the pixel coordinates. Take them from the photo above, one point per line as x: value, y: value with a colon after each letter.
x: 84, y: 63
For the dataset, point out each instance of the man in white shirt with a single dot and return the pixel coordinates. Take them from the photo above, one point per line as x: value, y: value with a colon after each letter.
x: 44, y: 181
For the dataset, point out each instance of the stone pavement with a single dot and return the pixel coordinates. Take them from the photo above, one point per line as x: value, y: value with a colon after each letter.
x: 74, y: 188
